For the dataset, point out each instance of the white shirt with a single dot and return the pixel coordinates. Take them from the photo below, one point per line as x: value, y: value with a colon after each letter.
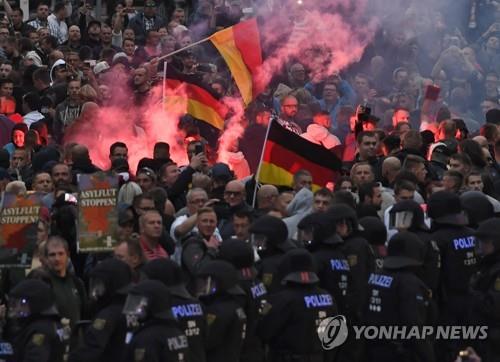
x: 32, y: 117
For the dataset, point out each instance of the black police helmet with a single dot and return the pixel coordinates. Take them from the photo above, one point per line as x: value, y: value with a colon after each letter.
x: 38, y: 294
x: 444, y: 207
x: 273, y: 228
x: 298, y: 267
x: 237, y: 252
x: 418, y: 221
x: 115, y: 274
x: 405, y: 249
x: 324, y: 230
x: 340, y: 212
x: 224, y: 274
x: 158, y: 296
x: 169, y: 273
x: 374, y: 230
x: 489, y: 230
x: 477, y: 206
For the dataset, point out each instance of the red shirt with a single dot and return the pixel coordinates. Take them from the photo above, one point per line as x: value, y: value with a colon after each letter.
x: 152, y: 253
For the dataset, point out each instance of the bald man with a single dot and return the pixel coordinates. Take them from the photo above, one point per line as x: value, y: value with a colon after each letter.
x: 234, y: 196
x: 482, y: 141
x: 390, y: 169
x: 266, y: 197
x: 81, y: 162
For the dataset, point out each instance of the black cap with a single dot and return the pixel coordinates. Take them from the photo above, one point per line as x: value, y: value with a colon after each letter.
x: 405, y: 249
x: 445, y: 207
x: 298, y: 267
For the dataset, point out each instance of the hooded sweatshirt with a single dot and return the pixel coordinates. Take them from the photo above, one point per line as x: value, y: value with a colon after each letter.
x: 321, y: 136
x: 300, y: 206
x: 11, y: 147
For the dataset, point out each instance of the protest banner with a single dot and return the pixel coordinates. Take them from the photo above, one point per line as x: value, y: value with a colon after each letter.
x: 18, y: 228
x: 97, y: 214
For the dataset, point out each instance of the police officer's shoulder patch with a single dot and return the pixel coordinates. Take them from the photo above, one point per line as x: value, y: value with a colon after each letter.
x: 99, y: 324
x: 497, y: 284
x: 38, y: 339
x: 267, y: 279
x: 352, y: 259
x: 139, y: 354
x: 211, y: 318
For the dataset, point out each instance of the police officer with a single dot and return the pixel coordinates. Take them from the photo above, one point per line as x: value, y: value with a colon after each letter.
x: 477, y: 206
x: 486, y: 288
x: 154, y: 333
x: 375, y: 232
x: 407, y: 215
x: 269, y: 236
x: 321, y: 239
x: 358, y: 252
x: 293, y: 314
x: 224, y: 304
x: 241, y: 255
x: 397, y: 297
x: 185, y: 308
x: 33, y: 324
x: 104, y: 339
x: 456, y: 243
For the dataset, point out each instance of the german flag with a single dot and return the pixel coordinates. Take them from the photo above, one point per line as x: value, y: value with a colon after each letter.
x: 201, y: 103
x: 240, y: 47
x: 285, y: 153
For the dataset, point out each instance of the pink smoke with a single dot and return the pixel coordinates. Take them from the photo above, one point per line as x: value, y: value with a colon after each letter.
x: 228, y: 141
x: 158, y: 122
x: 325, y: 43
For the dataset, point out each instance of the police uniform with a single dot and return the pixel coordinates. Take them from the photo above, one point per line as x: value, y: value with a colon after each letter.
x: 397, y: 297
x: 271, y: 256
x: 375, y: 232
x: 292, y: 316
x: 157, y: 337
x: 331, y: 264
x: 185, y: 308
x: 456, y: 243
x: 225, y: 312
x: 241, y: 255
x: 431, y: 269
x: 359, y: 255
x: 486, y: 293
x: 37, y: 337
x: 104, y: 338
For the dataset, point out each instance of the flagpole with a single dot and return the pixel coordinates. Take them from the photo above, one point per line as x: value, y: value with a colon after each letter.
x: 185, y: 48
x: 164, y: 90
x: 260, y: 163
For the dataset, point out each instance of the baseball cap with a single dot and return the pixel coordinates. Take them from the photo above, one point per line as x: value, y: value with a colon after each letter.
x: 101, y: 67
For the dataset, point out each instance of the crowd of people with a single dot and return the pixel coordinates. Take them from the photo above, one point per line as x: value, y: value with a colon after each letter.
x: 210, y: 265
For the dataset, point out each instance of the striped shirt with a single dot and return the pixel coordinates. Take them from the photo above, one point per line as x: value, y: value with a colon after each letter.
x: 53, y: 27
